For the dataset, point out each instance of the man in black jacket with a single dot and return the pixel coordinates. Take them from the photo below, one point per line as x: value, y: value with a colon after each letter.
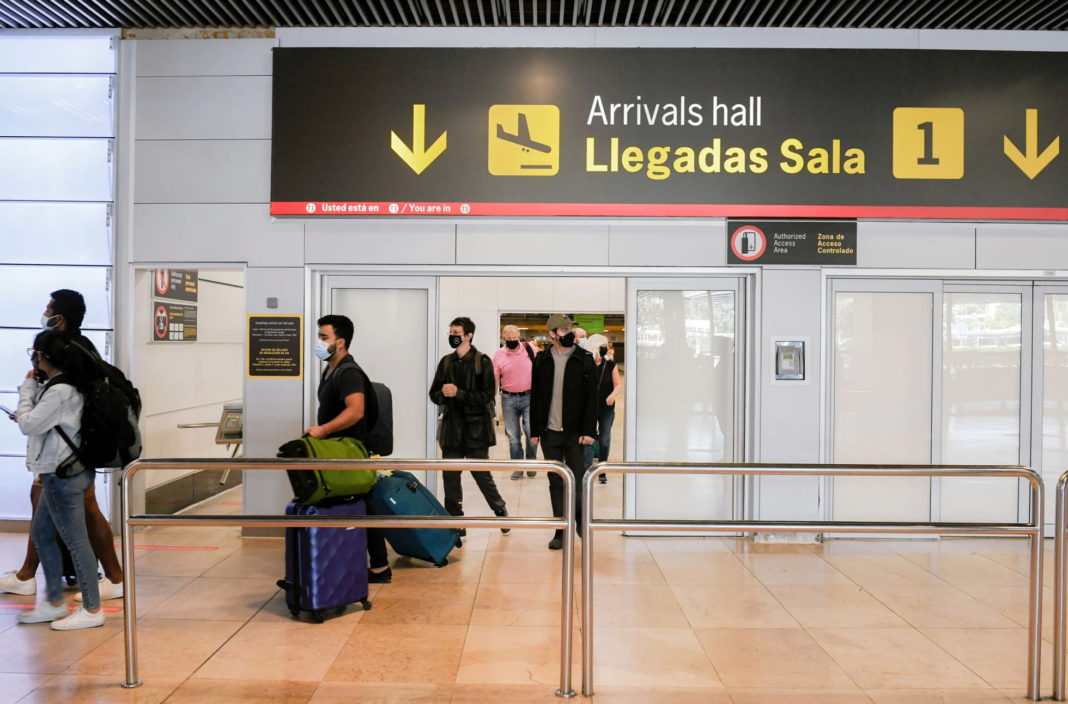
x: 463, y: 388
x: 563, y: 410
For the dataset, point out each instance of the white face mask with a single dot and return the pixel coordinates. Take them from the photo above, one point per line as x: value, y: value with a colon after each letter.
x: 582, y: 342
x: 44, y: 321
x: 322, y: 350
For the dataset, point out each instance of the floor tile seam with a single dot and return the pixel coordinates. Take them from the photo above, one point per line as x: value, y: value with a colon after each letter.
x: 25, y: 697
x: 175, y: 690
x: 832, y: 658
x: 918, y: 627
x: 783, y: 607
x: 963, y: 664
x: 233, y: 635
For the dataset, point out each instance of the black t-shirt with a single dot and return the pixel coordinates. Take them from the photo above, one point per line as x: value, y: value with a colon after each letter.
x: 346, y: 379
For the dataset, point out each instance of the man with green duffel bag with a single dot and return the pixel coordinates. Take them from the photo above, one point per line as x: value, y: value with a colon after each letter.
x: 313, y: 486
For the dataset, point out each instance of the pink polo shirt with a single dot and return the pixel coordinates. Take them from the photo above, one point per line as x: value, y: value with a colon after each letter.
x: 513, y: 368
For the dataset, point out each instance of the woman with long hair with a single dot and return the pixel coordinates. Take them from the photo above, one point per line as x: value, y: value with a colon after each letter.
x: 51, y: 399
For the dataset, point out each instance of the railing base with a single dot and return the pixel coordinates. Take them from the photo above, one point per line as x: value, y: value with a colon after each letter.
x: 131, y: 685
x: 566, y: 695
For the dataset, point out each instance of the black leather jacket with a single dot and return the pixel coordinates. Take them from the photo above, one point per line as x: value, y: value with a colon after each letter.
x: 467, y: 418
x: 579, y: 394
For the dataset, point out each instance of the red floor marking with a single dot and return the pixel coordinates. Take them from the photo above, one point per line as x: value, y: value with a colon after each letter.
x: 70, y: 607
x: 171, y: 547
x: 231, y: 503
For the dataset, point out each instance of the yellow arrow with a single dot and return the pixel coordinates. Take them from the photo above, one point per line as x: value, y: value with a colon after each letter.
x: 418, y: 157
x: 1031, y: 162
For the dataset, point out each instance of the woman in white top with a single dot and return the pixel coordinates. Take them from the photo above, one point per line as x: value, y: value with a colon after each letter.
x: 50, y: 400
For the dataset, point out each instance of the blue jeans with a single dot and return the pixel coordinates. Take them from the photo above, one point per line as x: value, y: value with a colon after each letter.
x: 61, y: 514
x: 517, y: 421
x: 604, y: 436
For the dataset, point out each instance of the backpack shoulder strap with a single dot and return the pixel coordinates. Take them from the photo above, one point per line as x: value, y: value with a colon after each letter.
x: 530, y: 352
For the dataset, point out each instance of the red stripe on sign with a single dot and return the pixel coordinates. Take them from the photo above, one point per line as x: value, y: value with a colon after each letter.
x: 70, y: 607
x: 171, y: 547
x: 401, y: 208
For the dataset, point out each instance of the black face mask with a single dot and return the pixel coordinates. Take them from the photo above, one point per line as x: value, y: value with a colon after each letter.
x: 455, y: 341
x: 602, y: 351
x: 511, y: 344
x: 567, y: 340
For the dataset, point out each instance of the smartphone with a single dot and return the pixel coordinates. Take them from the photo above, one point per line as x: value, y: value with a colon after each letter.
x: 10, y: 413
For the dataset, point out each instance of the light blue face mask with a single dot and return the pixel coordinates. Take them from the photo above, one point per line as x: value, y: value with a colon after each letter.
x: 322, y: 350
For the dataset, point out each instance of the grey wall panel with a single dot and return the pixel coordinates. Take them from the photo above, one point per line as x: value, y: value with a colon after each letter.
x: 993, y: 40
x: 215, y: 233
x: 202, y: 171
x: 363, y: 242
x: 274, y: 410
x: 915, y: 245
x: 681, y: 244
x: 550, y: 244
x: 1033, y: 246
x: 789, y: 411
x: 207, y: 107
x: 204, y: 57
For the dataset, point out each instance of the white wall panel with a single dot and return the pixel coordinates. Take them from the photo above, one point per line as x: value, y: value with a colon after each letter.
x: 202, y: 171
x: 204, y: 57
x: 215, y: 233
x: 477, y: 292
x: 64, y: 51
x: 203, y: 107
x: 682, y: 244
x: 521, y: 294
x: 915, y: 245
x: 1030, y: 246
x: 360, y: 242
x: 582, y: 294
x: 551, y: 244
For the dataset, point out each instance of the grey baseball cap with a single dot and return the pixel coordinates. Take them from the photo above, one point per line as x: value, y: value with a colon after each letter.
x: 558, y: 320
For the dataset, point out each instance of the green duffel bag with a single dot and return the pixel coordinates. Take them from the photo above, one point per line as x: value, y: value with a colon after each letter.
x: 313, y: 486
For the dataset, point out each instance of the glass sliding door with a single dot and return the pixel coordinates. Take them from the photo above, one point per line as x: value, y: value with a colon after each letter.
x: 685, y: 378
x: 393, y: 317
x: 1050, y: 435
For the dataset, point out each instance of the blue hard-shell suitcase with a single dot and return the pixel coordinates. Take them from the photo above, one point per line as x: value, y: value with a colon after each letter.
x: 401, y: 494
x: 326, y: 568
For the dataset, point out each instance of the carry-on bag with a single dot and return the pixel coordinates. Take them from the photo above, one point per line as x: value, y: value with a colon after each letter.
x: 326, y: 568
x: 398, y: 493
x: 313, y: 486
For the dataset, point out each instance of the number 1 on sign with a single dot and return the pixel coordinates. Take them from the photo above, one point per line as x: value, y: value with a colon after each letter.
x: 928, y: 144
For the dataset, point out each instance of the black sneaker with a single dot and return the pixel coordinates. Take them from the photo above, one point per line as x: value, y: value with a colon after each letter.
x: 383, y: 577
x: 557, y: 543
x: 531, y: 474
x: 503, y: 513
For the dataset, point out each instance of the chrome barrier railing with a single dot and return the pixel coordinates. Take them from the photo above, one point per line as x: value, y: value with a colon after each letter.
x: 1031, y: 530
x: 566, y: 524
x: 1060, y: 563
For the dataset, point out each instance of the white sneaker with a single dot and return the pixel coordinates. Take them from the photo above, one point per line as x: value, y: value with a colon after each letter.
x: 43, y: 613
x: 108, y: 590
x: 11, y: 584
x: 79, y: 619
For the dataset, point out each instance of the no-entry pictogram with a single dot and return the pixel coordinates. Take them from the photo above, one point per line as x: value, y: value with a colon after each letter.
x: 748, y: 243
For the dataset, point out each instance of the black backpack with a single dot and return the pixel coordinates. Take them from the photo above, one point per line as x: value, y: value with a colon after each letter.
x: 378, y: 409
x: 110, y: 436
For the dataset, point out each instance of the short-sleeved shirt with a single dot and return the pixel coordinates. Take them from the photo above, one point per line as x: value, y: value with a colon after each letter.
x: 334, y: 388
x: 514, y: 367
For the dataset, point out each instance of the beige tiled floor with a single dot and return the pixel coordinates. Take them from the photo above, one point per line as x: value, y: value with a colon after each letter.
x: 678, y: 620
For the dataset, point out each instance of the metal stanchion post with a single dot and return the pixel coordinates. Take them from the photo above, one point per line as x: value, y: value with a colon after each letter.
x: 1060, y: 563
x: 129, y: 592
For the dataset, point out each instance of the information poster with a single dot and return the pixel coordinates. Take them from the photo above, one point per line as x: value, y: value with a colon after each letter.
x: 275, y: 346
x: 173, y: 322
x: 827, y: 242
x: 176, y: 284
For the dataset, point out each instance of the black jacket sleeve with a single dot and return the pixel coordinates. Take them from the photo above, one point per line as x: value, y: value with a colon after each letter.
x: 439, y: 380
x: 539, y: 409
x: 589, y: 394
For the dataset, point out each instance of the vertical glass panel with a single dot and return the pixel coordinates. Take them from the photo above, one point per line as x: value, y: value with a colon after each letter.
x: 882, y: 402
x: 1054, y: 393
x: 684, y: 369
x: 27, y: 291
x: 981, y: 345
x: 12, y: 441
x: 56, y: 233
x: 399, y: 315
x: 56, y: 106
x: 55, y: 169
x: 14, y: 363
x: 36, y: 53
x: 15, y: 498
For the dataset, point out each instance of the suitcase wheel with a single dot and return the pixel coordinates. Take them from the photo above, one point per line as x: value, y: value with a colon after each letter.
x: 295, y: 612
x: 317, y: 616
x: 366, y: 605
x: 444, y: 561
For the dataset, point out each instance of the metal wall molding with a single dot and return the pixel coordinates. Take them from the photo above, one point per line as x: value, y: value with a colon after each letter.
x: 818, y: 14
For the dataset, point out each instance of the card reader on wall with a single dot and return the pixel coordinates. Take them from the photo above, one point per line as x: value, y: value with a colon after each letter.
x: 789, y: 360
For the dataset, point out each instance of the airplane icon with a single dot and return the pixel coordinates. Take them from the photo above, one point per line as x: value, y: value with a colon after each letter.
x: 522, y: 136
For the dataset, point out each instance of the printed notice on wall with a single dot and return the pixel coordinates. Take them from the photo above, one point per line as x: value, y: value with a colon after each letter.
x: 176, y: 284
x: 275, y: 346
x: 173, y: 322
x: 823, y: 242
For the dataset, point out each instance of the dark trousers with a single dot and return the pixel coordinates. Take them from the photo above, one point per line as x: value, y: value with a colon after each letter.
x: 454, y: 492
x: 376, y: 541
x: 556, y: 445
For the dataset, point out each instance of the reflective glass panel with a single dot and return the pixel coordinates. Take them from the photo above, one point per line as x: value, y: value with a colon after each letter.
x: 14, y: 363
x: 55, y: 169
x: 1054, y: 392
x: 56, y: 106
x: 15, y: 498
x: 27, y: 290
x: 12, y: 441
x: 36, y: 53
x: 55, y: 233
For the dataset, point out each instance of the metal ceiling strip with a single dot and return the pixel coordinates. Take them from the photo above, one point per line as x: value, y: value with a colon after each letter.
x: 667, y: 13
x: 272, y: 14
x: 814, y: 19
x: 41, y: 12
x: 415, y: 13
x: 985, y: 15
x: 641, y: 13
x: 181, y: 17
x: 324, y: 18
x: 1037, y: 12
x: 681, y: 12
x: 29, y: 20
x: 467, y: 13
x: 656, y: 13
x: 911, y: 20
x: 562, y: 4
x: 1013, y: 21
x: 358, y: 4
x: 105, y: 13
x: 1047, y: 19
x: 693, y: 15
x: 734, y: 15
x: 9, y: 22
x: 600, y: 15
x: 493, y: 12
x: 129, y: 10
x: 309, y: 19
x: 722, y: 13
x: 259, y: 17
x: 455, y: 14
x: 441, y: 13
x: 575, y: 9
x: 934, y: 17
x: 708, y: 12
x: 508, y: 10
x: 790, y: 15
x: 958, y: 18
x: 389, y: 13
x: 534, y: 13
x: 773, y: 21
x: 906, y: 7
x: 80, y: 17
x: 630, y: 11
x: 832, y: 16
x: 165, y: 19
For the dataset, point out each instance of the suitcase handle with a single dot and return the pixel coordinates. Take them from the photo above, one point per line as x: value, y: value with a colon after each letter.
x: 412, y: 486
